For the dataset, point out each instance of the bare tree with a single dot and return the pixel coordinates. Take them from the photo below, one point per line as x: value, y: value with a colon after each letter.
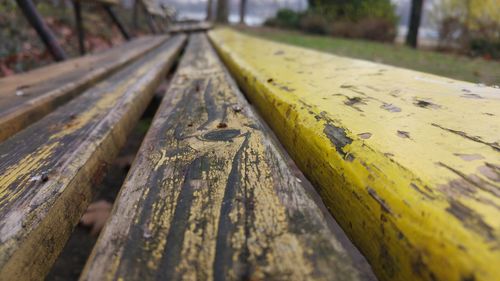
x: 222, y: 11
x: 210, y: 13
x: 414, y: 24
x: 243, y: 11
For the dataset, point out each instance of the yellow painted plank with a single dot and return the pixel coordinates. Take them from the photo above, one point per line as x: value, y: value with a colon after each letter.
x: 48, y: 172
x: 210, y: 197
x: 407, y: 162
x: 27, y: 97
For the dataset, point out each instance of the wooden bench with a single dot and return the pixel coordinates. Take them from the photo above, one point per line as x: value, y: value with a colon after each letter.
x: 27, y: 97
x: 210, y: 197
x: 211, y: 194
x: 178, y: 27
x: 408, y: 163
x: 48, y: 171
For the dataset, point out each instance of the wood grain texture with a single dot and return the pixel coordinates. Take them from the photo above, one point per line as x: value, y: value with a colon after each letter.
x: 109, y: 2
x: 27, y: 97
x: 209, y: 197
x: 189, y: 27
x: 48, y: 172
x: 407, y: 162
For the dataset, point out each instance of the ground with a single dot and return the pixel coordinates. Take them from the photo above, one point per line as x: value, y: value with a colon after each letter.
x: 458, y: 67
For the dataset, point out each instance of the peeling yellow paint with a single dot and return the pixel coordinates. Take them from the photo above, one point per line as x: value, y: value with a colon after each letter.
x: 380, y: 143
x: 204, y: 200
x: 48, y: 87
x: 23, y: 170
x: 49, y: 208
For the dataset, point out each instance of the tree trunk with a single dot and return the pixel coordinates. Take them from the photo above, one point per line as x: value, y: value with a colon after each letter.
x: 414, y: 24
x: 222, y: 11
x: 135, y: 15
x: 210, y: 14
x: 243, y: 11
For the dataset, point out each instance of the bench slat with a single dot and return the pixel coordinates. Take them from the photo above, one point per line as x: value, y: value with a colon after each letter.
x: 209, y: 197
x: 189, y: 27
x: 27, y: 97
x: 109, y: 2
x: 408, y: 163
x: 49, y: 171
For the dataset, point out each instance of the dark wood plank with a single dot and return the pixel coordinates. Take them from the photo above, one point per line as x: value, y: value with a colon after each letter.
x: 48, y: 172
x: 190, y: 27
x: 209, y: 196
x: 108, y: 2
x: 27, y: 97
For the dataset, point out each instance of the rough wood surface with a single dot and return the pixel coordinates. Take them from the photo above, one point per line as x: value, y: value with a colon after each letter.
x: 27, y: 97
x: 110, y: 2
x: 48, y: 172
x: 408, y: 163
x: 210, y: 198
x: 190, y: 27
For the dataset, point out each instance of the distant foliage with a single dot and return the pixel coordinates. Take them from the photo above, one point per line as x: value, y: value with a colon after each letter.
x: 370, y: 28
x: 355, y: 10
x: 314, y: 23
x: 285, y: 18
x: 472, y: 25
x: 489, y: 49
x: 367, y: 19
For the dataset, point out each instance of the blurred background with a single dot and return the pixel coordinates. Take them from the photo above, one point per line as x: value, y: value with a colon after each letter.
x: 454, y: 38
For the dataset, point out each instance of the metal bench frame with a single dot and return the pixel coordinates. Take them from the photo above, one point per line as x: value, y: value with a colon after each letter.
x: 47, y: 36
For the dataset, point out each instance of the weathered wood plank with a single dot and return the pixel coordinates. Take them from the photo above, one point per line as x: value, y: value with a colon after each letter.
x: 48, y: 172
x: 190, y: 27
x: 110, y: 2
x: 27, y: 97
x: 408, y: 163
x: 209, y: 196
